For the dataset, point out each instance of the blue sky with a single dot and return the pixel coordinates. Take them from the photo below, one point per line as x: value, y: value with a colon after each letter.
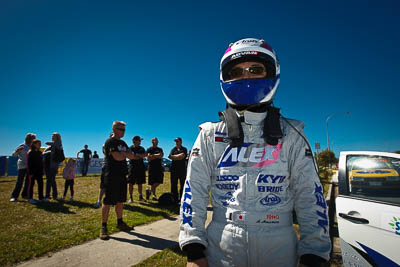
x: 74, y: 67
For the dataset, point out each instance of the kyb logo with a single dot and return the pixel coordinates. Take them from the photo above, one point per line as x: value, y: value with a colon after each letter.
x: 250, y: 155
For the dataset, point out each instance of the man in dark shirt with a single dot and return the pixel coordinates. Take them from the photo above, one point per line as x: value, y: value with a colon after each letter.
x: 178, y: 168
x: 87, y: 156
x: 115, y: 170
x: 137, y: 169
x: 156, y: 172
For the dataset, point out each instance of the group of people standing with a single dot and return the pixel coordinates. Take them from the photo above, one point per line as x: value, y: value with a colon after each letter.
x: 31, y: 167
x: 154, y: 155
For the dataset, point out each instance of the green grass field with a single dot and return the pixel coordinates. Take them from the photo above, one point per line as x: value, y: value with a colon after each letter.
x: 33, y: 230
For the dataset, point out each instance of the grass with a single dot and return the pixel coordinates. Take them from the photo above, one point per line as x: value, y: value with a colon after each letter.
x: 30, y: 230
x: 170, y: 257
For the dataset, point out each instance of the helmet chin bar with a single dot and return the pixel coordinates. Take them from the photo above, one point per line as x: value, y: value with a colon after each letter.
x: 259, y: 107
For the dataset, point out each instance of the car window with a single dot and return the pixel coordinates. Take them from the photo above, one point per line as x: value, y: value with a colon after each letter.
x: 374, y: 177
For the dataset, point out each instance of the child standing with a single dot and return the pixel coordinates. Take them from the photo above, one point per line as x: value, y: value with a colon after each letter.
x: 35, y: 171
x: 69, y: 175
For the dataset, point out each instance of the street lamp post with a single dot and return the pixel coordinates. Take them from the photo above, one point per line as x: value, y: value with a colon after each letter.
x: 327, y: 132
x: 327, y: 120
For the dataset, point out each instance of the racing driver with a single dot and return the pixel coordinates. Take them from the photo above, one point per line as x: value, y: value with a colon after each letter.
x: 259, y: 169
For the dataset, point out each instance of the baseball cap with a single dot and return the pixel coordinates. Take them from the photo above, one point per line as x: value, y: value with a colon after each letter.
x: 178, y: 138
x: 137, y: 138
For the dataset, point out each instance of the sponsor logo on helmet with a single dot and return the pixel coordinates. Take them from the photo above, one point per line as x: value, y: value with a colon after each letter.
x: 244, y: 53
x: 250, y: 155
x: 270, y: 200
x: 247, y: 41
x: 227, y: 198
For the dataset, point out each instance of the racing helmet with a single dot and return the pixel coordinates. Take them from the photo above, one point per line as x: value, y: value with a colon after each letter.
x: 247, y: 92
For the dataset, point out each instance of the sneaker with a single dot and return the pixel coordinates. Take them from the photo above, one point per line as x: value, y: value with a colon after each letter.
x: 32, y: 201
x: 43, y: 200
x: 148, y: 193
x: 130, y: 200
x: 97, y: 205
x: 154, y: 198
x: 124, y: 227
x: 104, y: 234
x: 13, y: 199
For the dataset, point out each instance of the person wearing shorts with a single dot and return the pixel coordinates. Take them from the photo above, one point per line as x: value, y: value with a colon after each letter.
x: 115, y: 171
x: 156, y: 172
x: 137, y: 169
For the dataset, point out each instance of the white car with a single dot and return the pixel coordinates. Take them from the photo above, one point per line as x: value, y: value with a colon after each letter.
x: 368, y: 217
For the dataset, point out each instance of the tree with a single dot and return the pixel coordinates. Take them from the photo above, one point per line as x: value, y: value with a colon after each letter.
x: 326, y: 159
x: 397, y: 151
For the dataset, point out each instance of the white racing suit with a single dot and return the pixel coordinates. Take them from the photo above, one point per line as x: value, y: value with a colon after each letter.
x: 254, y: 190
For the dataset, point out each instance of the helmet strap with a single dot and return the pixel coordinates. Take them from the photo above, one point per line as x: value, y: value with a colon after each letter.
x: 272, y: 126
x: 234, y: 128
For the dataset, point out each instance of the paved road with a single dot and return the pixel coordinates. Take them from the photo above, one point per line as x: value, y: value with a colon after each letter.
x: 123, y: 249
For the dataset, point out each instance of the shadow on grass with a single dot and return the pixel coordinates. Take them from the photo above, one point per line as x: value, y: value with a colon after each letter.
x: 79, y: 204
x: 7, y: 179
x: 153, y: 213
x: 171, y: 208
x: 54, y: 207
x: 147, y: 241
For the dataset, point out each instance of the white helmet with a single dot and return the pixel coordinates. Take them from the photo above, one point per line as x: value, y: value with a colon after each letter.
x: 249, y: 91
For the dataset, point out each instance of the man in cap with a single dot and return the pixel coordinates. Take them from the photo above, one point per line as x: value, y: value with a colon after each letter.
x: 137, y: 169
x: 178, y: 168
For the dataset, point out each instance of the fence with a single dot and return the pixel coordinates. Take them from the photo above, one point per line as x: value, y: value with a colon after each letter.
x: 8, y: 166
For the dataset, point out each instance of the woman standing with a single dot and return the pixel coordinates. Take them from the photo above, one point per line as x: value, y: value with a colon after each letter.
x: 52, y: 163
x: 21, y: 152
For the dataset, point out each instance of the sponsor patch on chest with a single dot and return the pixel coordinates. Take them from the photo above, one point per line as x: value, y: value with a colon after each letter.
x: 250, y: 155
